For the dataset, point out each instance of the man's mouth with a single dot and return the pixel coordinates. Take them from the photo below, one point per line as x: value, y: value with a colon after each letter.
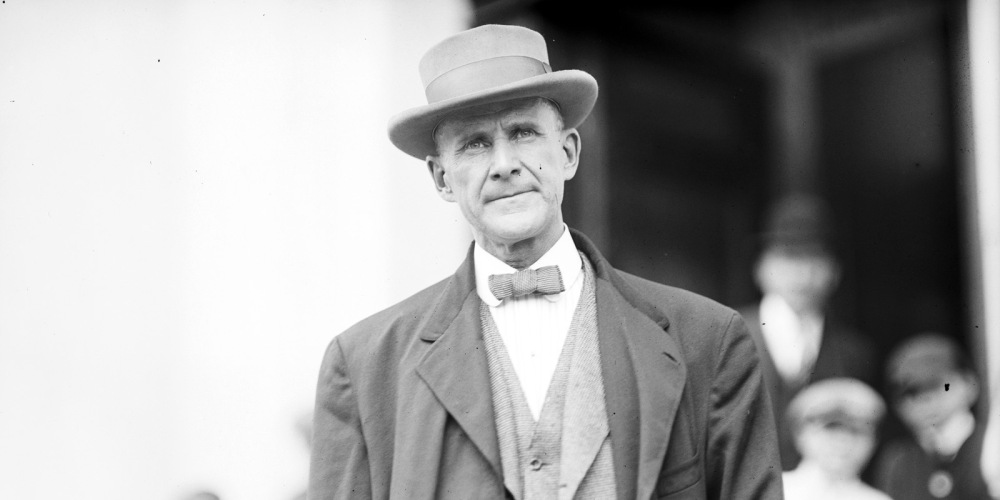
x: 510, y: 195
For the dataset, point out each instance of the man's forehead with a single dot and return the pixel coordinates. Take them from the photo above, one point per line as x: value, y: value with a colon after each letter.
x: 493, y: 111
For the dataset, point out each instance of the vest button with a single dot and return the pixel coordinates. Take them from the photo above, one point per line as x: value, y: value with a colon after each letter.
x: 535, y: 464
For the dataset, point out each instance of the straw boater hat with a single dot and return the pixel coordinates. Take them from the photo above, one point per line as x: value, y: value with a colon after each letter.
x: 490, y: 63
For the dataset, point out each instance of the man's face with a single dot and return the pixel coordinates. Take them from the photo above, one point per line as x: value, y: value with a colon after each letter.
x: 505, y: 165
x: 804, y: 279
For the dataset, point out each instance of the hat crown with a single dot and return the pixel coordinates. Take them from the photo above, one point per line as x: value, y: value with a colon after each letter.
x: 480, y: 44
x: 488, y: 64
x: 799, y: 220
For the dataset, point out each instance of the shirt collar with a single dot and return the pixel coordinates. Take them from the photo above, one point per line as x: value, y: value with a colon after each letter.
x: 782, y: 325
x: 563, y: 254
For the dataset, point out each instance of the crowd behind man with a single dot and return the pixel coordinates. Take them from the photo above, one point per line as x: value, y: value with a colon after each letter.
x: 830, y: 394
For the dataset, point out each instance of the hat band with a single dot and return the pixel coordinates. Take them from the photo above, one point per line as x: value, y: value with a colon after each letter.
x: 482, y: 75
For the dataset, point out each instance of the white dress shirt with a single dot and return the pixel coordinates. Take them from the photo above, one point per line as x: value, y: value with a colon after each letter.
x: 792, y: 340
x: 534, y: 327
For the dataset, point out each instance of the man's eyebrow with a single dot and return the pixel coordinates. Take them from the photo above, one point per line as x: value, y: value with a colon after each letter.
x: 517, y: 122
x: 460, y: 130
x: 467, y: 134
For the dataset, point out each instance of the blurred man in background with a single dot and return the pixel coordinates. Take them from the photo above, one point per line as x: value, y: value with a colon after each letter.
x: 537, y: 370
x: 933, y: 388
x: 834, y: 423
x: 797, y: 271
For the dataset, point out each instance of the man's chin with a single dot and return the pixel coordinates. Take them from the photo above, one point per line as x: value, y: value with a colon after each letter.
x: 515, y: 235
x: 513, y: 229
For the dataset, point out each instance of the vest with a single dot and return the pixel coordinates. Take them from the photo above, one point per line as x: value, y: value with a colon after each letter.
x: 567, y: 453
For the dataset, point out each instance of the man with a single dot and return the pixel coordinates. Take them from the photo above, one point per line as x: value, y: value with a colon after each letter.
x: 933, y: 388
x: 537, y: 370
x: 797, y: 273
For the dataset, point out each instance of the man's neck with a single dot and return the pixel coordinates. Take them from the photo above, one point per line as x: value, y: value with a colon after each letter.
x: 521, y: 254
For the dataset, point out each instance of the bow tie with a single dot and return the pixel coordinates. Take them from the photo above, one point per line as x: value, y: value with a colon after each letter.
x: 544, y: 280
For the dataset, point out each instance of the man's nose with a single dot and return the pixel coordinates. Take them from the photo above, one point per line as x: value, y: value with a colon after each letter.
x: 505, y: 160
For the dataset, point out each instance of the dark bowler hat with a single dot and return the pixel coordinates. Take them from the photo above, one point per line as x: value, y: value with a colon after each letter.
x: 490, y: 63
x: 799, y: 222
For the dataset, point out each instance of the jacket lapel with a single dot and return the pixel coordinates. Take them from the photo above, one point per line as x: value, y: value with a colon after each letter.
x: 585, y: 429
x: 638, y: 357
x: 455, y: 366
x: 585, y: 421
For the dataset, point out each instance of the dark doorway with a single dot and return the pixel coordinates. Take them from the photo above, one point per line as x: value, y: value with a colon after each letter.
x: 710, y: 110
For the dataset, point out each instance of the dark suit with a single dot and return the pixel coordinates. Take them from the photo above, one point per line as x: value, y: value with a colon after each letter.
x: 842, y: 353
x: 404, y: 409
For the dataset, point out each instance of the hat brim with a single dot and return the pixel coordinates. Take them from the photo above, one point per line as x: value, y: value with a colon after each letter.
x: 573, y: 90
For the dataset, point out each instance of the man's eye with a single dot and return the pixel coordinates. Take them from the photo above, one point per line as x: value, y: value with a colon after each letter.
x: 476, y: 144
x: 524, y: 133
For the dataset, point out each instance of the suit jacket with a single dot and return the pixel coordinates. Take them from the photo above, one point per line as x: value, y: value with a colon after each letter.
x: 842, y: 353
x: 403, y: 403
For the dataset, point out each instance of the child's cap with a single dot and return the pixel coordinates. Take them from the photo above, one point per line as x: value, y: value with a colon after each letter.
x: 921, y: 361
x: 846, y: 402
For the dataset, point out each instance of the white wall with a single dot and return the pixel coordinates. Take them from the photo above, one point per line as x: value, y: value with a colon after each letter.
x: 984, y: 196
x: 195, y: 196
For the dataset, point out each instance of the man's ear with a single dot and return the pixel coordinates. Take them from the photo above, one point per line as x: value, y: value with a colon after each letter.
x: 571, y: 147
x: 440, y: 178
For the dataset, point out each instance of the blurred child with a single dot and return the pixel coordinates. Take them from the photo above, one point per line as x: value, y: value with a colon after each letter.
x: 933, y: 387
x: 833, y: 423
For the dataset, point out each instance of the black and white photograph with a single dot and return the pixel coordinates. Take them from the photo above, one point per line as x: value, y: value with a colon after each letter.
x: 511, y: 249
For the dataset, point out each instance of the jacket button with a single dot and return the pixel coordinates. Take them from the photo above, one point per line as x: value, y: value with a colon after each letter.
x: 535, y: 464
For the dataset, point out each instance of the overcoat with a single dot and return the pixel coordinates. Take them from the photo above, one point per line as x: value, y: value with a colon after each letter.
x: 403, y: 403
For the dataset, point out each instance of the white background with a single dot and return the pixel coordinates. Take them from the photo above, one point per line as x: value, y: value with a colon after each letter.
x: 195, y: 197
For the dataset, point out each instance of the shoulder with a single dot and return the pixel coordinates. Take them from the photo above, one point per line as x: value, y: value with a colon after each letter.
x: 677, y: 304
x: 704, y: 328
x: 393, y: 327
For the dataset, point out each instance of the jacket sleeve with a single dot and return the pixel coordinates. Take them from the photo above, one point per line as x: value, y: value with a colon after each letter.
x: 339, y: 463
x: 742, y: 459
